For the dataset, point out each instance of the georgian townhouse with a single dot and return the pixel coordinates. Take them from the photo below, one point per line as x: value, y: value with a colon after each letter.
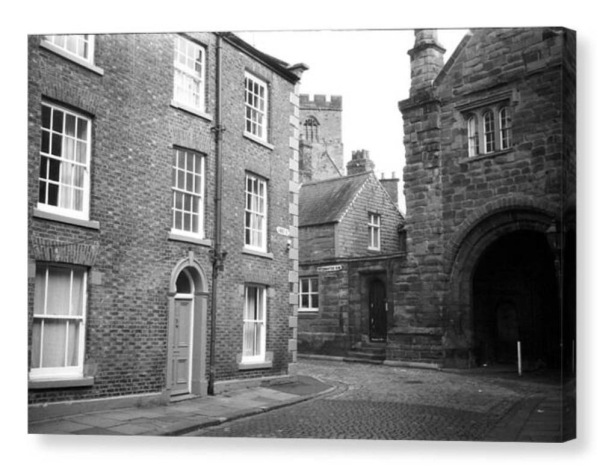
x: 162, y: 218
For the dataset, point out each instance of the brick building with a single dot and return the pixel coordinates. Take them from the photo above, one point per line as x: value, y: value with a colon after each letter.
x: 489, y: 183
x: 349, y: 243
x: 162, y: 216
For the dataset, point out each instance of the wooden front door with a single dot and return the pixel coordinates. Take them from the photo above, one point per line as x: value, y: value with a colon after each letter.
x: 377, y: 311
x: 182, y: 346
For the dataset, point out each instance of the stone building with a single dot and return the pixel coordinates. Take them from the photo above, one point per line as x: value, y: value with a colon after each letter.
x: 349, y: 243
x: 162, y: 215
x: 321, y: 145
x: 489, y: 183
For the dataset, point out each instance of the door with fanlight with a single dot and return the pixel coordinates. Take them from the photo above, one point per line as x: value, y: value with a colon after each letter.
x: 182, y: 331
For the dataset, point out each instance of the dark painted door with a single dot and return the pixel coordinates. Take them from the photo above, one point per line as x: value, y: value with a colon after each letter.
x: 377, y: 311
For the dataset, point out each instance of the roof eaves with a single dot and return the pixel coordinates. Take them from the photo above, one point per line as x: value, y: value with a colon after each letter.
x: 291, y: 73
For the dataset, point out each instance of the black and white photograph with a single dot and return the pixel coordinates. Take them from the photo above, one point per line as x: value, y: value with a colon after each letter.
x: 247, y: 238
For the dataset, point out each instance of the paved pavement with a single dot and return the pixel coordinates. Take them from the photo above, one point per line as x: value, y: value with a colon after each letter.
x: 418, y: 404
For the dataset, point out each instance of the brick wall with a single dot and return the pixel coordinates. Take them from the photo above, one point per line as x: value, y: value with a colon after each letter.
x: 128, y: 251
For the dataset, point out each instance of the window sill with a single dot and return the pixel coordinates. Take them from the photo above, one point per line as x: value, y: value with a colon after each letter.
x: 189, y: 109
x: 255, y: 365
x: 484, y: 156
x: 180, y: 237
x: 261, y: 254
x: 40, y: 384
x: 253, y: 138
x: 41, y: 214
x: 376, y: 250
x: 71, y: 57
x: 308, y: 313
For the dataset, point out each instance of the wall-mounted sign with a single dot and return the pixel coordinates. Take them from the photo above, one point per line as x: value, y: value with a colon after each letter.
x: 283, y: 231
x: 327, y: 269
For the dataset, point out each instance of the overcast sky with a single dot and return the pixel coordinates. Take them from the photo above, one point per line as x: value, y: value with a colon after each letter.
x: 370, y: 69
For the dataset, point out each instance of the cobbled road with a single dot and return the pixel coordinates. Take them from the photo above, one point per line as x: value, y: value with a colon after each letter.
x: 382, y: 402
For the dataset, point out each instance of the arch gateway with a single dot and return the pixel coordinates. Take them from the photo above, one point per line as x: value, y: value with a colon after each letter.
x: 490, y: 203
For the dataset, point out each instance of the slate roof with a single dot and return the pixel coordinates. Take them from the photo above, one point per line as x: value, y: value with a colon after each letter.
x: 323, y: 202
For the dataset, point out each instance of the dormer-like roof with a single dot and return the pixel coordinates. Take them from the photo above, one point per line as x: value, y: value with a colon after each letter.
x: 326, y: 201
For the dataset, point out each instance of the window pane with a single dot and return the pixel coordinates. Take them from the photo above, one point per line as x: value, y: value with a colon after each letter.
x: 56, y: 145
x: 73, y: 343
x: 81, y: 155
x: 54, y: 343
x: 52, y: 195
x: 36, y: 341
x: 45, y: 141
x: 183, y: 284
x: 59, y: 284
x: 54, y: 169
x: 70, y: 125
x: 46, y: 112
x: 57, y: 121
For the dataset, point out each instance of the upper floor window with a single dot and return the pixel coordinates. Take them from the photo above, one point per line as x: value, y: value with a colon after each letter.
x: 374, y: 231
x: 190, y: 70
x: 256, y: 100
x: 505, y: 129
x: 57, y: 339
x: 188, y: 193
x: 473, y: 136
x: 255, y: 224
x: 64, y: 183
x: 489, y: 130
x: 78, y: 45
x: 309, y: 294
x: 255, y: 324
x: 311, y: 129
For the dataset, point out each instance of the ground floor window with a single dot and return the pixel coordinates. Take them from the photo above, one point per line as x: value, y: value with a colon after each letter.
x: 255, y: 323
x: 309, y: 294
x: 57, y: 348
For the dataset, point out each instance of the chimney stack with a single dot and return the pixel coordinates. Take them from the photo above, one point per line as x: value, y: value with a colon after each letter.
x: 360, y: 163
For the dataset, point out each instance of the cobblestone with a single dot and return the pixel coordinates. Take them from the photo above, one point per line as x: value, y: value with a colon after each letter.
x: 381, y: 402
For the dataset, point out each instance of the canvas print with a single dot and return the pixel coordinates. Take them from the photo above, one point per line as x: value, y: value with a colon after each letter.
x: 346, y: 234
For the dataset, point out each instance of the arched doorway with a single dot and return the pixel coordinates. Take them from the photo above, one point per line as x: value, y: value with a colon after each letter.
x: 515, y: 298
x: 186, y: 353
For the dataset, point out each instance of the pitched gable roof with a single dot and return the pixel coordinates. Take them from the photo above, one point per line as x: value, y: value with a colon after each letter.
x: 323, y: 202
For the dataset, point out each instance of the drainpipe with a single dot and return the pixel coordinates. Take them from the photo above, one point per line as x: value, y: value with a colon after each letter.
x: 217, y: 254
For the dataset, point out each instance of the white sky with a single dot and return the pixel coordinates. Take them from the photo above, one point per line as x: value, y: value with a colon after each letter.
x: 370, y: 69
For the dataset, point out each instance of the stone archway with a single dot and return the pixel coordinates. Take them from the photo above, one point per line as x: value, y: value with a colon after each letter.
x: 466, y: 251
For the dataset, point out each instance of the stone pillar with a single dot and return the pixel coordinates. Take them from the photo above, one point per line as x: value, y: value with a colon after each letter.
x: 426, y: 60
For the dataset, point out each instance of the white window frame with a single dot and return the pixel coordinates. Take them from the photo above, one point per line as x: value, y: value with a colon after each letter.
x: 255, y: 213
x: 256, y: 109
x: 188, y: 81
x: 374, y: 229
x: 42, y: 315
x: 309, y: 295
x: 80, y: 46
x: 254, y: 336
x: 67, y: 180
x: 182, y: 192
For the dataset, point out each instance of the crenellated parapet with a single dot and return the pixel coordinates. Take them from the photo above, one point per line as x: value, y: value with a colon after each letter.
x: 321, y: 102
